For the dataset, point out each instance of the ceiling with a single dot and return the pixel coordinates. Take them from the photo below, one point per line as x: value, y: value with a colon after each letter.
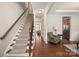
x: 39, y: 5
x: 57, y: 6
x: 68, y: 7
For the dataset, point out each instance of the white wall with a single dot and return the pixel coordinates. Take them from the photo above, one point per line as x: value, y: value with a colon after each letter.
x: 45, y: 28
x: 56, y: 20
x: 9, y: 12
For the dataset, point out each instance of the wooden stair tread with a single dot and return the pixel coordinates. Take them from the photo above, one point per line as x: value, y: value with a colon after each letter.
x: 18, y: 44
x: 17, y: 55
x: 18, y: 50
x: 21, y: 41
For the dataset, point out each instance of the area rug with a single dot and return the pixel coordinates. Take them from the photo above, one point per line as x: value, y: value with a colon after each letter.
x: 72, y: 47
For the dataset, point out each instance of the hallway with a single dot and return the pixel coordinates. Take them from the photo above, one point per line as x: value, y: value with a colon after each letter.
x: 21, y: 21
x: 50, y: 50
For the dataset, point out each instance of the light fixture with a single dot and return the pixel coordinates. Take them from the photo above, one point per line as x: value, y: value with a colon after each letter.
x: 39, y: 11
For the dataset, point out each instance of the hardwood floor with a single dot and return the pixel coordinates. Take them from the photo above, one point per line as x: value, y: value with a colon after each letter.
x: 50, y: 50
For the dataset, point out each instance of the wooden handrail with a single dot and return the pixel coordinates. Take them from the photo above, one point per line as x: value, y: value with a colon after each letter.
x: 31, y: 32
x: 12, y: 25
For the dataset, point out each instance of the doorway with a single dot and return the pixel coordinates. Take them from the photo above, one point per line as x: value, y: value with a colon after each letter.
x: 66, y: 27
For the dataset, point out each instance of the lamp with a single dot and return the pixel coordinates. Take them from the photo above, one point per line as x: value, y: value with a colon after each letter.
x: 55, y: 30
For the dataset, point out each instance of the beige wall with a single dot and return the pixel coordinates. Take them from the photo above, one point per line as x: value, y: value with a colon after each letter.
x: 9, y: 12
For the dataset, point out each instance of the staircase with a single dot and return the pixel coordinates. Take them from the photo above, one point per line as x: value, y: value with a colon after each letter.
x: 20, y: 45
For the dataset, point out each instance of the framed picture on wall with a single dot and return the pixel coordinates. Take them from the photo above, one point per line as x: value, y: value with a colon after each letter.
x: 66, y: 27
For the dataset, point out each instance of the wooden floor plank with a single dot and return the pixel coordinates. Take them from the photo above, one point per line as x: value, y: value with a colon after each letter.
x: 50, y: 50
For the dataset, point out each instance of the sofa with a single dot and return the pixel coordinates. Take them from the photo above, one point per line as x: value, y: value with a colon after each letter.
x: 53, y: 38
